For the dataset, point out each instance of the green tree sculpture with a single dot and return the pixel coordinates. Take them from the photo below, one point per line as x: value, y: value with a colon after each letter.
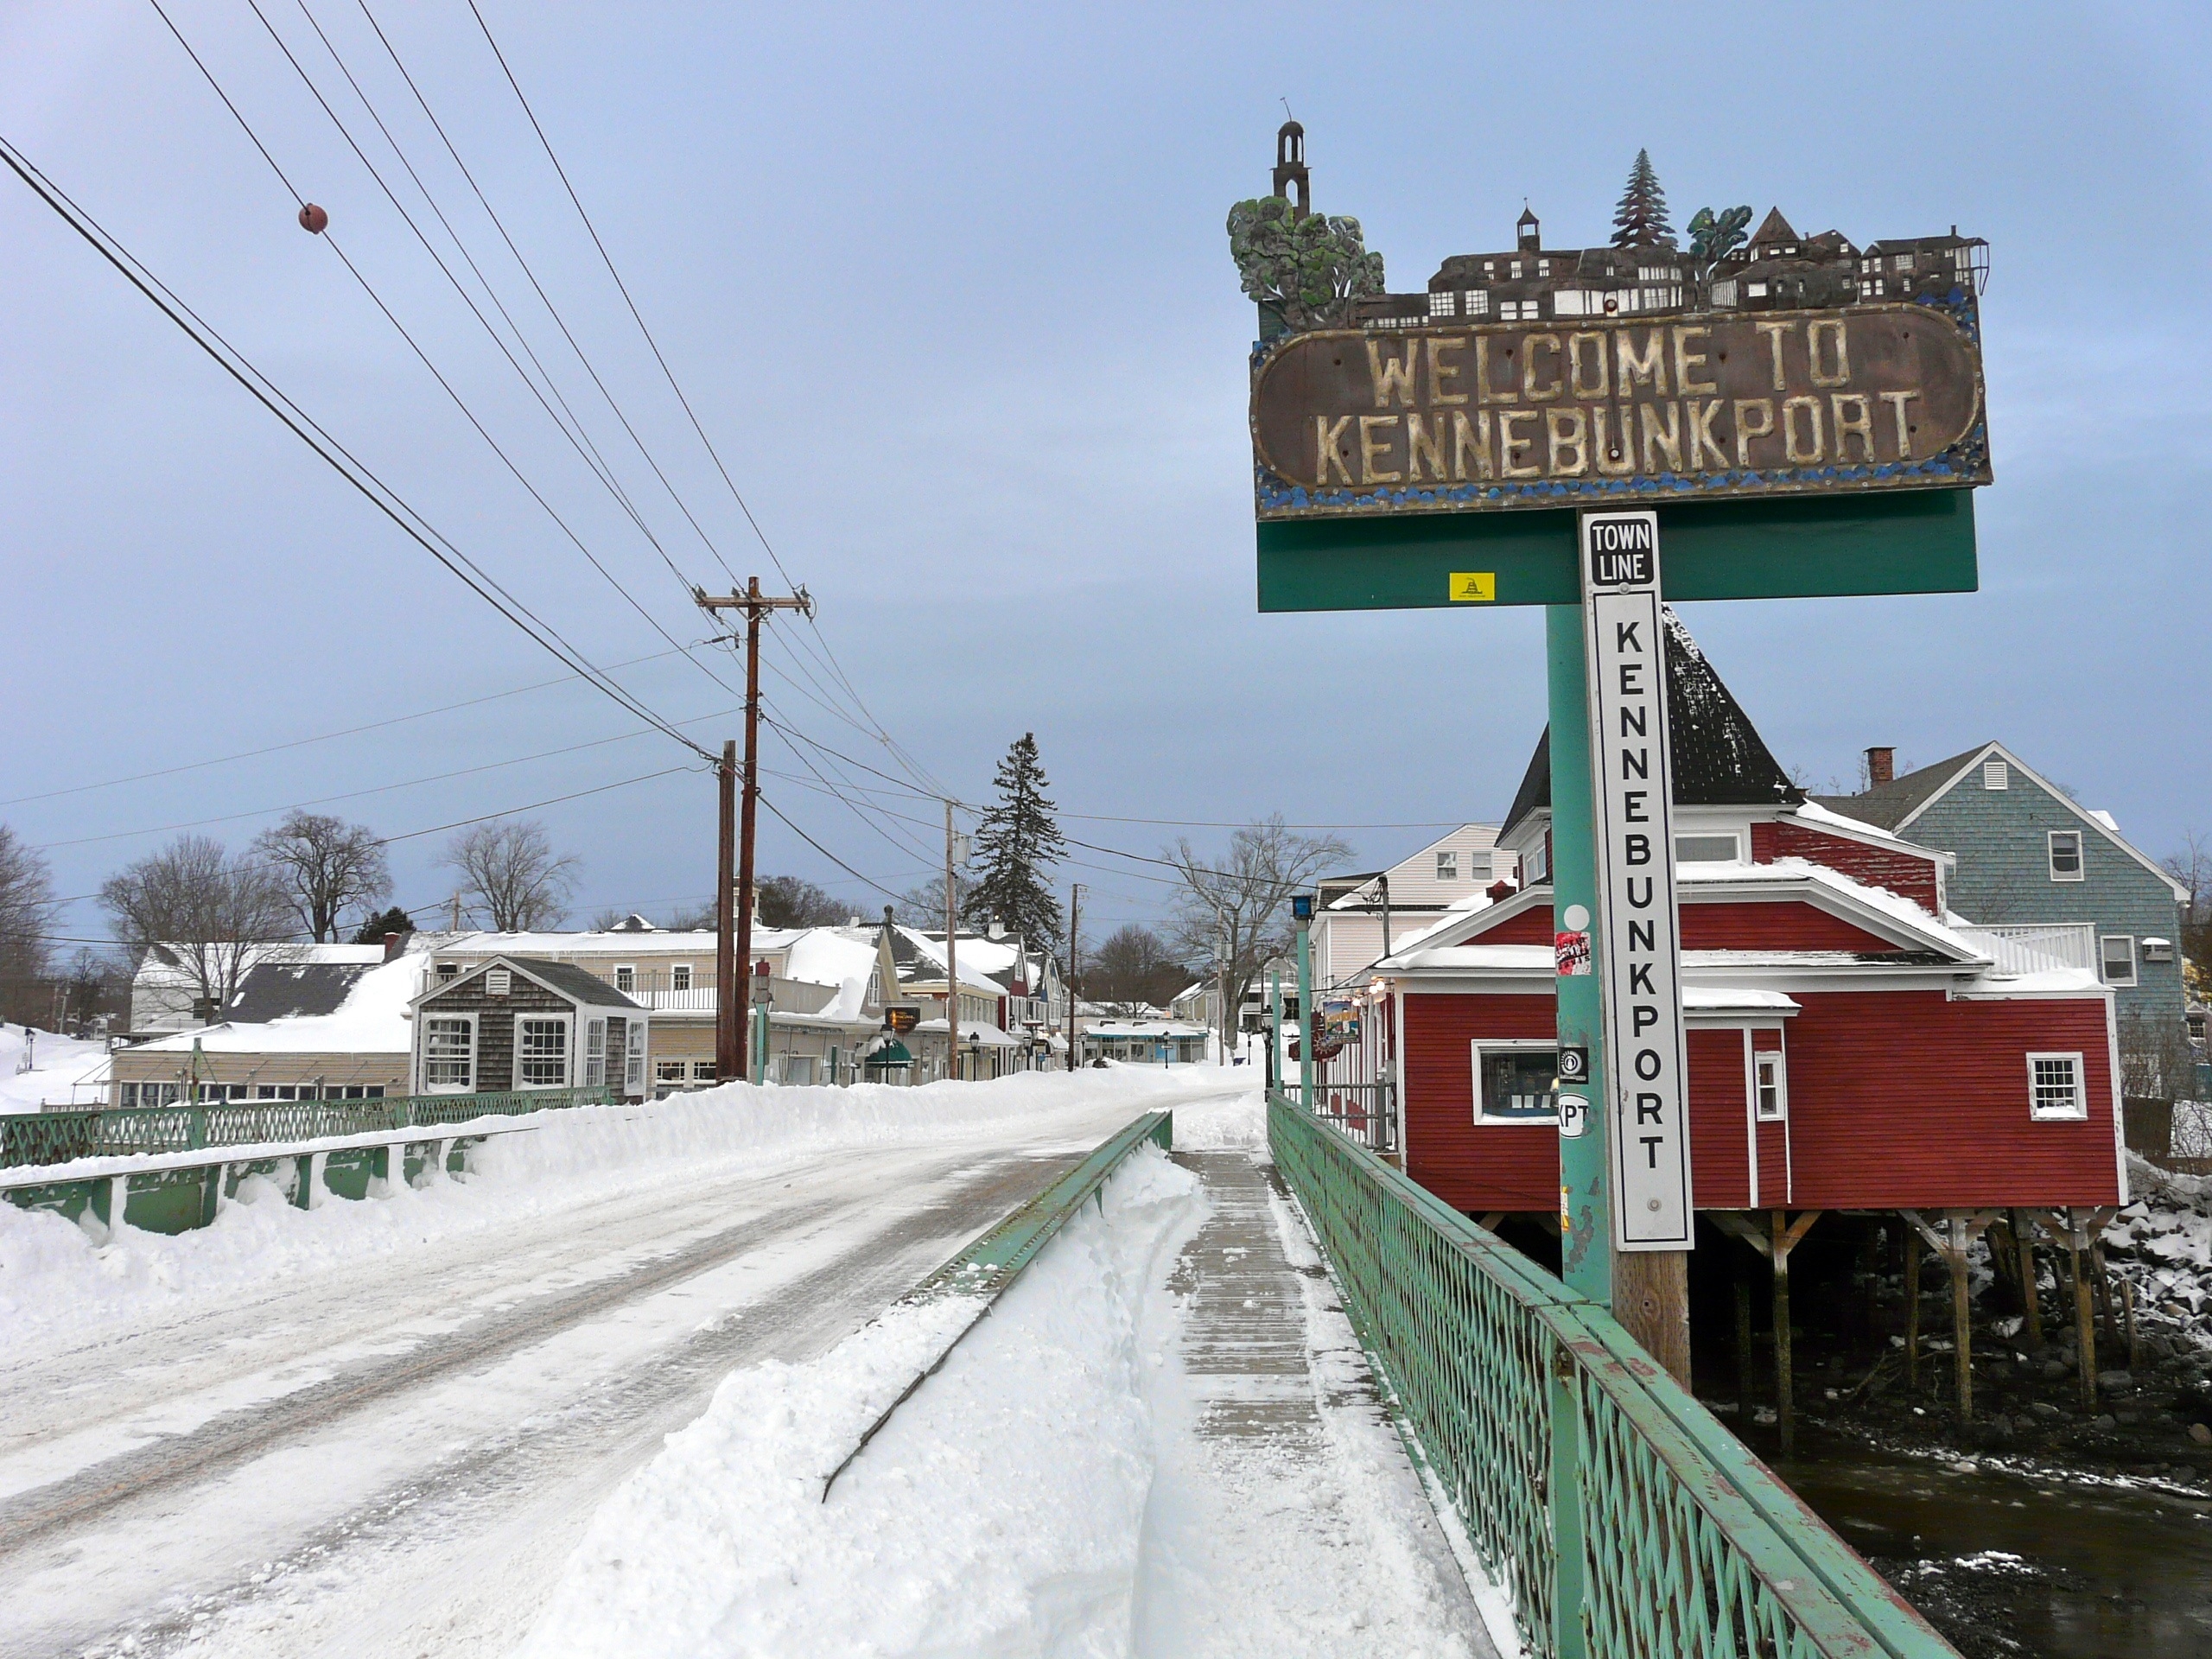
x: 1016, y: 844
x: 1713, y: 236
x: 1640, y: 221
x: 1309, y: 269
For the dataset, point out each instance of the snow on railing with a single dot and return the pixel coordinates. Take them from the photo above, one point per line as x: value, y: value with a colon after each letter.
x: 2035, y: 948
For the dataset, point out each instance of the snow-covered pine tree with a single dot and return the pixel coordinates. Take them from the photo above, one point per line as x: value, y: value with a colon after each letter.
x: 1640, y: 221
x: 1016, y: 844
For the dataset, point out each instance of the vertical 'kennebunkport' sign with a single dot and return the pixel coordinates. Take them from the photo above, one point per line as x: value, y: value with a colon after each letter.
x: 1632, y: 787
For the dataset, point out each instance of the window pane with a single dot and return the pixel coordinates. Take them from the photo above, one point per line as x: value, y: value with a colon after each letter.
x: 1520, y: 1083
x: 447, y: 1046
x: 2066, y: 852
x: 541, y: 1053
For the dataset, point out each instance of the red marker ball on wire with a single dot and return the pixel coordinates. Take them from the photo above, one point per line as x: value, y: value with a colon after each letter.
x: 313, y: 220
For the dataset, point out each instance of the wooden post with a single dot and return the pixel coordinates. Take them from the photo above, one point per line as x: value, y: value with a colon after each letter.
x: 2127, y: 1304
x: 2101, y: 1280
x: 1913, y: 1309
x: 1785, y: 1406
x: 1743, y: 1337
x: 2085, y: 1326
x: 2029, y: 1291
x: 1961, y: 1322
x: 1651, y: 1299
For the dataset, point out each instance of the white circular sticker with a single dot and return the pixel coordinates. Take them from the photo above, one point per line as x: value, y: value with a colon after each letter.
x: 1576, y: 918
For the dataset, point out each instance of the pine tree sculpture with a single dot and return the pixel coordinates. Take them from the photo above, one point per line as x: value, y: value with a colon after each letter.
x: 1640, y: 221
x: 1016, y: 844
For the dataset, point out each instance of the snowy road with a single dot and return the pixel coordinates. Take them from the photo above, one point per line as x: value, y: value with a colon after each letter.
x: 395, y: 1455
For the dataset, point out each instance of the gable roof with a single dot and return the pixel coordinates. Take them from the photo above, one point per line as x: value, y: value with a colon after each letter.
x: 1894, y: 805
x: 1772, y: 229
x: 1888, y: 806
x: 1718, y: 757
x: 562, y: 978
x: 279, y: 990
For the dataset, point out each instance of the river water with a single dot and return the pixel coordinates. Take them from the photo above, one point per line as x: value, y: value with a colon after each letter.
x: 2114, y: 1573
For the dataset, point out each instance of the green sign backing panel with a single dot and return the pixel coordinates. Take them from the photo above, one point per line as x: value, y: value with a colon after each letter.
x: 1919, y: 541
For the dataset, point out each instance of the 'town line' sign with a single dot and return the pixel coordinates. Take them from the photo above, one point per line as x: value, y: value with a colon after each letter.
x: 1633, y: 784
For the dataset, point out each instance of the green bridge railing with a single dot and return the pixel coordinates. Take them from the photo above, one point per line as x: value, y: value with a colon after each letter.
x: 33, y: 1138
x: 1622, y: 1518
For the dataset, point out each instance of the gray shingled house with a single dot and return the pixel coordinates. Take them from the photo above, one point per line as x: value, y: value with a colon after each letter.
x: 519, y: 1023
x: 2035, y: 865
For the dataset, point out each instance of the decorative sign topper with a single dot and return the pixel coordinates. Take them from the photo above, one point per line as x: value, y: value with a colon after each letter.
x: 1557, y: 377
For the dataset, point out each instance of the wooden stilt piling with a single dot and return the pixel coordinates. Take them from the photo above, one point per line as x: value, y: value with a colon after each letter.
x: 1743, y: 1335
x: 2029, y: 1292
x: 1912, y: 1246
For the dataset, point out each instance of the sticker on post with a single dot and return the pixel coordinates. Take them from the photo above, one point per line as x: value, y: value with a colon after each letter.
x: 1572, y: 953
x: 1573, y: 1118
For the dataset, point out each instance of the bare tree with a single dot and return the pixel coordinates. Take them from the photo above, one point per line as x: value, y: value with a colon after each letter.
x: 2192, y: 867
x: 27, y: 913
x: 791, y: 901
x: 1232, y: 908
x: 923, y: 907
x: 1133, y: 969
x: 213, y: 914
x: 328, y: 865
x: 510, y: 871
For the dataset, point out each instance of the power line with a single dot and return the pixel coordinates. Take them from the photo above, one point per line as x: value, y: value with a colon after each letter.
x: 324, y: 737
x: 326, y: 448
x: 826, y: 853
x: 377, y: 298
x: 891, y: 745
x: 379, y: 789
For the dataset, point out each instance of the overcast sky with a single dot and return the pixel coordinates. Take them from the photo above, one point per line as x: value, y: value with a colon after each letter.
x: 951, y: 291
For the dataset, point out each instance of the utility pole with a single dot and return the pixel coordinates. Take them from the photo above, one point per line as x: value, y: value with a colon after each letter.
x: 734, y: 957
x: 729, y: 1046
x: 1075, y: 919
x: 951, y: 957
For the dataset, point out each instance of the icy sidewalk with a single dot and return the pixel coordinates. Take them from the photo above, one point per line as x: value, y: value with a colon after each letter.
x: 1162, y: 1442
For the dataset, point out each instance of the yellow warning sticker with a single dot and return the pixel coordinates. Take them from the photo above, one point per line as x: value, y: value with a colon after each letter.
x: 1474, y: 586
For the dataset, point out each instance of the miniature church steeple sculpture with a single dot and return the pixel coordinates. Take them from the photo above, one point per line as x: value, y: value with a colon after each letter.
x: 1290, y: 167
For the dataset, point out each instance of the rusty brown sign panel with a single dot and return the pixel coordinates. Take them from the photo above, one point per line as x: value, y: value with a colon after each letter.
x: 1696, y: 407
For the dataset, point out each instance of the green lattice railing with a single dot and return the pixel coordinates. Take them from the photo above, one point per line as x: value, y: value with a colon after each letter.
x: 1624, y: 1521
x: 33, y: 1138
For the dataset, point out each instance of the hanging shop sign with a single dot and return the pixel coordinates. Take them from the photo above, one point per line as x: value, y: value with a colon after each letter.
x: 1640, y: 958
x: 1702, y: 405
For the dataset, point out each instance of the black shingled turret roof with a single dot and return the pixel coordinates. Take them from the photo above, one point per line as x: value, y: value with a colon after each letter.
x: 1719, y: 758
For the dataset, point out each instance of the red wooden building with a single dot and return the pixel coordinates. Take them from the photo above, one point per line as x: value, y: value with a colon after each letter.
x: 1853, y: 1044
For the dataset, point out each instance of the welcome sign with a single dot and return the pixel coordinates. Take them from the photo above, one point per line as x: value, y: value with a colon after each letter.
x: 1701, y: 406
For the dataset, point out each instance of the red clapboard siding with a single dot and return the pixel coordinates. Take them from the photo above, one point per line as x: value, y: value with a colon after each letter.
x: 1473, y: 1166
x: 1532, y: 926
x: 1774, y: 1138
x: 1787, y: 924
x: 1902, y: 873
x: 1720, y: 1154
x: 1902, y: 1100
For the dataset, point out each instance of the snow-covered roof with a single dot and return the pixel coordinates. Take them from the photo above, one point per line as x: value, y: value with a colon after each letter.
x: 844, y: 957
x: 971, y: 1033
x: 1127, y: 1030
x: 372, y: 1020
x: 615, y: 943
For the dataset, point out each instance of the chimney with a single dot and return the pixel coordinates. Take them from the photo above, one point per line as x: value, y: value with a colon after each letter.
x: 393, y: 944
x: 1881, y: 767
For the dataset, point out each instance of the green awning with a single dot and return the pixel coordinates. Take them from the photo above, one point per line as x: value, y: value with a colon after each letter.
x: 892, y: 1053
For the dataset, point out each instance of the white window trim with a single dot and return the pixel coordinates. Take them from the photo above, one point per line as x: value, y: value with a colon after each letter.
x: 2080, y: 854
x: 2133, y: 975
x: 595, y: 1026
x: 1481, y: 1046
x: 633, y: 1049
x: 2080, y: 1110
x: 568, y: 1050
x: 423, y: 1059
x: 1447, y: 866
x: 683, y: 968
x: 1781, y: 1084
x: 1733, y: 837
